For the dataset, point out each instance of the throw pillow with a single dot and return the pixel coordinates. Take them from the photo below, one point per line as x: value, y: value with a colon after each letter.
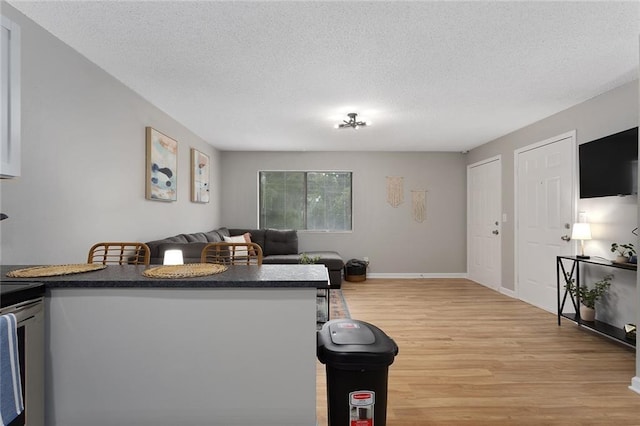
x: 235, y: 239
x: 245, y: 238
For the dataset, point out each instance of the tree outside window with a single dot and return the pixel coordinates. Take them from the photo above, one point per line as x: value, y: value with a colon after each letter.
x: 317, y: 201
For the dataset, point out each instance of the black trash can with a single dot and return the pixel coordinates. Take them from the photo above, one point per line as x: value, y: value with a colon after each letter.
x: 357, y: 357
x: 355, y: 270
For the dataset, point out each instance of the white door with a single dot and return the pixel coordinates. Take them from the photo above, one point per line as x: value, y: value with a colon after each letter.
x: 484, y: 236
x: 545, y: 208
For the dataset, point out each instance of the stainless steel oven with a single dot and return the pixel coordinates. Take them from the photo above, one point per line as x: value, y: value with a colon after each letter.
x: 25, y: 300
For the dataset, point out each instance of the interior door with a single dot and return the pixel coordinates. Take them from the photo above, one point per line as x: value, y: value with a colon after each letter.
x: 545, y: 203
x: 484, y: 206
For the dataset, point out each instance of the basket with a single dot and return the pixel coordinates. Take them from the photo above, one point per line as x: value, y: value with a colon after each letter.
x: 54, y: 270
x: 189, y: 270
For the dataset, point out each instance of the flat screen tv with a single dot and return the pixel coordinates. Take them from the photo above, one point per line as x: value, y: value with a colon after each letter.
x: 609, y: 165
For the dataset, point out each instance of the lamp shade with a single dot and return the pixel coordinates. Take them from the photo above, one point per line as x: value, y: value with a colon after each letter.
x: 581, y: 231
x: 173, y: 257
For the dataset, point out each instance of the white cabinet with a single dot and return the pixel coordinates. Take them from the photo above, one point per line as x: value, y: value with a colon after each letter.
x: 10, y: 97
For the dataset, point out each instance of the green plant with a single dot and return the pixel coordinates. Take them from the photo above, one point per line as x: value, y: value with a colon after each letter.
x: 589, y: 296
x: 305, y: 259
x: 624, y: 250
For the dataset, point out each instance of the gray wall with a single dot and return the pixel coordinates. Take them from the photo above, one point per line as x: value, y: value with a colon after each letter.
x: 393, y: 241
x: 83, y: 160
x: 612, y: 218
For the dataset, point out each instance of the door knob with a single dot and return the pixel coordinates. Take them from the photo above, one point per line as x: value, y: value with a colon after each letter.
x: 565, y: 238
x: 495, y: 232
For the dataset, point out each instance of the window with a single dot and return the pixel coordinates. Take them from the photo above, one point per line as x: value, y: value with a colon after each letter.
x: 315, y: 201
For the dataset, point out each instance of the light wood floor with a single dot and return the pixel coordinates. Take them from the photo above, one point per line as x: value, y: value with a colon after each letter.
x: 471, y: 356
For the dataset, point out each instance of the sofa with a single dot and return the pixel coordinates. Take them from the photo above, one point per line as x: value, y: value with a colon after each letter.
x: 278, y: 247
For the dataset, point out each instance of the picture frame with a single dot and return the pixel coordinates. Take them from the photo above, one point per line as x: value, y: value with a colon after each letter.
x: 161, y: 166
x: 200, y: 174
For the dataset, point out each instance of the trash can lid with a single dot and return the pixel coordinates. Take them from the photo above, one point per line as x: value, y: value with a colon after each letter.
x: 351, y: 333
x: 355, y: 345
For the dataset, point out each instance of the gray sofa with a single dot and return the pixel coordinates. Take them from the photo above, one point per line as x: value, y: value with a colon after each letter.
x: 278, y: 247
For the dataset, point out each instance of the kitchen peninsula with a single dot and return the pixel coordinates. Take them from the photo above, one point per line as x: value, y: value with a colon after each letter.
x: 235, y: 348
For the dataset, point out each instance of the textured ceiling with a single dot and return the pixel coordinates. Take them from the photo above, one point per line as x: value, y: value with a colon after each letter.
x: 431, y: 76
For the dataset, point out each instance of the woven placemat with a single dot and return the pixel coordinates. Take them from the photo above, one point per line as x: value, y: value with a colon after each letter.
x: 54, y: 270
x: 188, y: 270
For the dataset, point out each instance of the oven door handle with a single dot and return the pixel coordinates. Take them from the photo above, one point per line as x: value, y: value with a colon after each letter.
x: 24, y: 310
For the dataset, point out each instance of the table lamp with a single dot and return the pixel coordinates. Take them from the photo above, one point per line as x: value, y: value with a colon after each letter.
x: 581, y: 231
x: 173, y: 257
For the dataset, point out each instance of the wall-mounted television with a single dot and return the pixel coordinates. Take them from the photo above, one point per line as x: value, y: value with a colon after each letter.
x: 609, y: 165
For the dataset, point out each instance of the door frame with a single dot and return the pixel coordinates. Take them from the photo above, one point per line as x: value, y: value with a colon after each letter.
x: 469, y: 167
x: 516, y: 214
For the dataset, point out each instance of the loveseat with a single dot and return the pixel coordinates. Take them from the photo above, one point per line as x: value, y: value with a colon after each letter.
x: 278, y: 247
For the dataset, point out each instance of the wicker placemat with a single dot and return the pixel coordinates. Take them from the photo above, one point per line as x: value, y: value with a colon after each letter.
x: 188, y: 270
x: 54, y: 270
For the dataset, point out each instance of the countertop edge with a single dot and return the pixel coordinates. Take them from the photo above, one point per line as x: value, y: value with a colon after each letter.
x: 130, y: 276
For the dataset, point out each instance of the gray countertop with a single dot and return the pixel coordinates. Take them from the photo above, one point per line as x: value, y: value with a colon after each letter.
x: 130, y: 276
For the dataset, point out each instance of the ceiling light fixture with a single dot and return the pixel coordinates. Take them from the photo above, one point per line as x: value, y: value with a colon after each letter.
x: 353, y: 123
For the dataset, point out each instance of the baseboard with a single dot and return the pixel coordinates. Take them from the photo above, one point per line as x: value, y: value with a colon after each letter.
x: 409, y: 276
x: 635, y: 384
x: 508, y: 292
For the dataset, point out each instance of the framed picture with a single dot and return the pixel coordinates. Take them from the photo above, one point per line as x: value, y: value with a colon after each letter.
x: 162, y: 166
x: 200, y: 170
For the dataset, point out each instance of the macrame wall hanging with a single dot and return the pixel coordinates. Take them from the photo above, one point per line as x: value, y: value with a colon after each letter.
x: 395, y: 190
x: 419, y: 205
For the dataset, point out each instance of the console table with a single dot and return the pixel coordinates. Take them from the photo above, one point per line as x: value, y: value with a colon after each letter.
x: 568, y: 268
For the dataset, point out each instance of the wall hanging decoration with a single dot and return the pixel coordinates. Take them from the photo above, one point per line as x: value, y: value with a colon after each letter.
x: 199, y: 177
x: 395, y: 190
x: 162, y: 165
x: 419, y: 205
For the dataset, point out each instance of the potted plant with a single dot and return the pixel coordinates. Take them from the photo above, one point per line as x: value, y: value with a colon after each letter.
x: 623, y: 251
x: 589, y: 296
x: 305, y: 259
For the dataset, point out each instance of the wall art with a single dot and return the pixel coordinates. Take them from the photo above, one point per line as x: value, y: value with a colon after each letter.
x: 200, y: 170
x: 395, y: 190
x: 162, y: 165
x: 419, y: 205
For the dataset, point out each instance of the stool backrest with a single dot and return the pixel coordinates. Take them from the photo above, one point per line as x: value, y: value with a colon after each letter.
x: 121, y: 253
x: 232, y: 254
